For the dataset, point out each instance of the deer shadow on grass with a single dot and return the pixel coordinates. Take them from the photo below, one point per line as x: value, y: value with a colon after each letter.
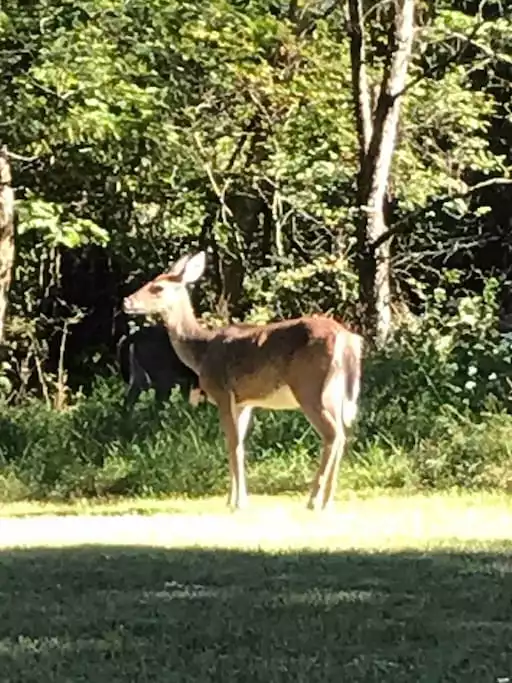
x: 125, y: 613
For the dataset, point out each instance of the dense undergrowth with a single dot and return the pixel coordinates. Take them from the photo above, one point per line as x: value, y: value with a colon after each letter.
x: 434, y: 413
x: 92, y: 450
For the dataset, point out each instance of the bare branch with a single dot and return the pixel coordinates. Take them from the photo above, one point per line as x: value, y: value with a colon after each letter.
x: 306, y: 25
x: 401, y: 226
x: 488, y: 51
x: 21, y: 157
x: 241, y: 142
x: 360, y: 87
x: 53, y: 93
x: 219, y: 192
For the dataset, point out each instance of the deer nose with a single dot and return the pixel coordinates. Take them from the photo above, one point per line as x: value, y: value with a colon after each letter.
x: 127, y: 304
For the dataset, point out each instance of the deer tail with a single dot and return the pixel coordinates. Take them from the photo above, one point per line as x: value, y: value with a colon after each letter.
x: 347, y: 357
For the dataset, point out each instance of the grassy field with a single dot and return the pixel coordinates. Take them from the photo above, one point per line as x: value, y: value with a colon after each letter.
x: 402, y: 588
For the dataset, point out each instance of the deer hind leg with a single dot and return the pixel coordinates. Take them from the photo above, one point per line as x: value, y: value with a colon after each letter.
x: 348, y: 401
x: 137, y: 383
x: 324, y: 414
x: 334, y: 396
x: 333, y: 471
x: 324, y: 485
x: 235, y: 423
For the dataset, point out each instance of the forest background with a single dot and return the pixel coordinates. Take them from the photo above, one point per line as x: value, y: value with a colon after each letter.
x: 344, y: 157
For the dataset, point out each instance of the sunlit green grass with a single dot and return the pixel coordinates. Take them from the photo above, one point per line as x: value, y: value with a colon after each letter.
x: 365, y: 521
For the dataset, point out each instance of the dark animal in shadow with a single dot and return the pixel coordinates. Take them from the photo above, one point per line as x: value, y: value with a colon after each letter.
x: 148, y: 360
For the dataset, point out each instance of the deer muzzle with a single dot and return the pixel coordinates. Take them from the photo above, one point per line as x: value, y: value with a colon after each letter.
x: 130, y: 306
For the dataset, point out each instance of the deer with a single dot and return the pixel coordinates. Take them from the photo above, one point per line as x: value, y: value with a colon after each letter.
x: 307, y: 363
x: 147, y: 360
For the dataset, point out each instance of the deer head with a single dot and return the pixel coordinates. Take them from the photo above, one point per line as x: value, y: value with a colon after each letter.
x: 167, y: 293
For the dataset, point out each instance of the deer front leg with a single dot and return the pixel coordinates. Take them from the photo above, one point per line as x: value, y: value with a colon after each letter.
x: 130, y: 398
x: 235, y: 422
x: 243, y: 421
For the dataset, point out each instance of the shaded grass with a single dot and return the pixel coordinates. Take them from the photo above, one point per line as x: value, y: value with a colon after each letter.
x: 123, y: 614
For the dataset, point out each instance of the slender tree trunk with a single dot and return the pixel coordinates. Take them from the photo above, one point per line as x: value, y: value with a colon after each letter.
x: 377, y: 133
x: 6, y: 235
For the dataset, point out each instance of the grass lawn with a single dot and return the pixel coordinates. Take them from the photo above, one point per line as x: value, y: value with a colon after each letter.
x: 386, y: 588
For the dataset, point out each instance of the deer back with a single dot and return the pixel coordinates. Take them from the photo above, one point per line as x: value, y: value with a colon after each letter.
x: 261, y: 364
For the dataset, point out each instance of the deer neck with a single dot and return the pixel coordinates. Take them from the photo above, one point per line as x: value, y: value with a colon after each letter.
x: 188, y: 337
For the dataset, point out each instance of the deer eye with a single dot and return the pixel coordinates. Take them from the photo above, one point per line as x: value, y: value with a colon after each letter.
x: 156, y: 289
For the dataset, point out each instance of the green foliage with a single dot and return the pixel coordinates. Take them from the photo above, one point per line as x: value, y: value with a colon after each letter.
x: 285, y: 289
x: 157, y: 126
x: 92, y: 450
x: 452, y: 356
x: 161, y: 112
x: 48, y: 219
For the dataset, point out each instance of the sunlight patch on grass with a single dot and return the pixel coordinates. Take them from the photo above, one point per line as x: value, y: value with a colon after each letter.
x: 279, y: 523
x: 217, y: 504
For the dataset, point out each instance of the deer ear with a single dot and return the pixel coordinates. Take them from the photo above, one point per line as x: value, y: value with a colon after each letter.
x: 194, y: 267
x: 178, y: 266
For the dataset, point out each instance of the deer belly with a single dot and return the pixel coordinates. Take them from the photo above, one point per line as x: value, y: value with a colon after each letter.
x: 280, y: 399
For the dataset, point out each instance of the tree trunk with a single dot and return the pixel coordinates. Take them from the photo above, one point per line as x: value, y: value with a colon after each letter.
x: 377, y: 139
x: 6, y: 235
